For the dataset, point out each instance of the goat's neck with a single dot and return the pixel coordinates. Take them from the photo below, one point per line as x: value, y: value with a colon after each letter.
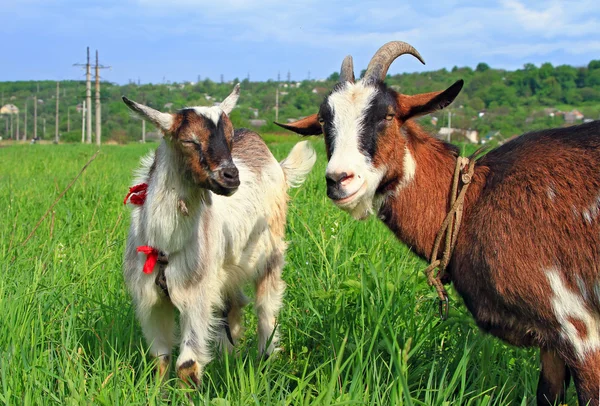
x: 169, y: 224
x: 417, y: 209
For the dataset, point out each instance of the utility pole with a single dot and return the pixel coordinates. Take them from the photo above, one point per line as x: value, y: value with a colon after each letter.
x: 83, y: 123
x: 98, y: 105
x: 289, y: 76
x: 68, y: 119
x: 18, y: 136
x: 449, y: 125
x: 144, y: 131
x: 88, y: 94
x: 88, y: 97
x: 25, y: 122
x: 56, y: 115
x: 277, y: 104
x: 35, y: 116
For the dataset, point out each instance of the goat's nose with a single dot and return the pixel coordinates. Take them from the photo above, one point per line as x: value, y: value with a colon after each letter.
x: 333, y: 178
x: 230, y: 173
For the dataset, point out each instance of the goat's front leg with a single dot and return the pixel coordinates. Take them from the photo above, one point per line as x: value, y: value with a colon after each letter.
x: 269, y: 295
x: 157, y: 318
x: 554, y: 378
x: 197, y: 321
x: 585, y: 369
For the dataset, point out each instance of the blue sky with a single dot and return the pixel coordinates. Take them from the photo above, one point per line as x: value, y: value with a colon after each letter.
x: 177, y: 40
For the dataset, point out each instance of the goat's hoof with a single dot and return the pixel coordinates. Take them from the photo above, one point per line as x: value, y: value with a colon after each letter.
x: 162, y: 366
x: 271, y: 353
x: 189, y: 372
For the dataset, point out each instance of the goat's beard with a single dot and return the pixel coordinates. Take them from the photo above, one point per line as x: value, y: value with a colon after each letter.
x: 370, y: 202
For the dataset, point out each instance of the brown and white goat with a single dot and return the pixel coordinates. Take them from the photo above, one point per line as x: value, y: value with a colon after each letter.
x: 215, y: 206
x: 527, y: 257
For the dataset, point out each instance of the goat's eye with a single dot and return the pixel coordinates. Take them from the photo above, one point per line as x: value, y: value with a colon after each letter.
x: 321, y: 121
x: 188, y: 142
x: 389, y: 117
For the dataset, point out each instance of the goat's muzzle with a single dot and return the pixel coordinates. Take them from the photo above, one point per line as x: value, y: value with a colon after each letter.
x: 226, y: 180
x: 337, y: 186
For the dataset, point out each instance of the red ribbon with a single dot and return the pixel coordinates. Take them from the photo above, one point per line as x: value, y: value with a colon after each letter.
x: 151, y: 258
x: 137, y: 194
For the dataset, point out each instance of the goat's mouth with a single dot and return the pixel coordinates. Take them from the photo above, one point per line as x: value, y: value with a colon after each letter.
x: 224, y: 188
x: 346, y: 202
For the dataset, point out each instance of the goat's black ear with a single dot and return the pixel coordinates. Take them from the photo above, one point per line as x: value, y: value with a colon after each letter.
x: 425, y: 103
x: 307, y: 126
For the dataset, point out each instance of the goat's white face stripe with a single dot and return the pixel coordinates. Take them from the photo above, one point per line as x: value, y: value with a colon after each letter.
x: 212, y: 113
x: 348, y: 106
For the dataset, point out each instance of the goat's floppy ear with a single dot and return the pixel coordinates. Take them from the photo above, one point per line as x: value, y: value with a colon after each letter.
x: 425, y: 103
x: 307, y: 126
x: 230, y: 101
x: 164, y: 121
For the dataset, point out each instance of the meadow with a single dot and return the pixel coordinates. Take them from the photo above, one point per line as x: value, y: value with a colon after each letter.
x: 359, y: 325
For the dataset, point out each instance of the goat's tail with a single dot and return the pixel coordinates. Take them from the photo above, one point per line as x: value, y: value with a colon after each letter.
x: 298, y: 163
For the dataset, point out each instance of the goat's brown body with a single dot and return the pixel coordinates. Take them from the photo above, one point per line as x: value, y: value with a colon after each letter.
x: 533, y: 206
x: 525, y: 259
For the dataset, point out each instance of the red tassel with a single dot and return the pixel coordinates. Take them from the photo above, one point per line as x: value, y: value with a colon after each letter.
x: 151, y: 258
x: 137, y: 194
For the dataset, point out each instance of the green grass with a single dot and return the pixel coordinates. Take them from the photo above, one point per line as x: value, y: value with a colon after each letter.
x: 359, y: 325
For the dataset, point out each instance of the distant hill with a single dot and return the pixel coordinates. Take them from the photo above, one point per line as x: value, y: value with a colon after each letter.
x: 492, y: 101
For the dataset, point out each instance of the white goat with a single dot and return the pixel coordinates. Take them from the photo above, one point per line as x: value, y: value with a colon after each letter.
x: 214, y: 237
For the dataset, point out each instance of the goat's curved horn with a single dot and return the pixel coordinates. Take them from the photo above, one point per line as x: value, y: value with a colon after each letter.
x: 384, y: 57
x: 347, y: 71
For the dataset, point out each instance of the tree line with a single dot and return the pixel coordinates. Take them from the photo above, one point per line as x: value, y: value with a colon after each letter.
x: 511, y: 102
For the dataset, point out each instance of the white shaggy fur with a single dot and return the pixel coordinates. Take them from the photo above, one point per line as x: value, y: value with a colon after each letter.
x: 221, y: 243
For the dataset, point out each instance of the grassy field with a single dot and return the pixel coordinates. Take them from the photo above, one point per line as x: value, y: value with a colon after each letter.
x: 359, y: 325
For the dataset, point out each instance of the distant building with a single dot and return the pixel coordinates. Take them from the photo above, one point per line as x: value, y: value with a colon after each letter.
x: 472, y: 136
x: 258, y: 123
x: 9, y: 109
x: 446, y: 133
x: 572, y: 116
x: 490, y: 136
x: 153, y: 136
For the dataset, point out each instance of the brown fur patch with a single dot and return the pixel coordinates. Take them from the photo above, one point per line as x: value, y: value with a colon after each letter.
x: 586, y: 376
x: 188, y: 127
x: 580, y: 326
x: 250, y: 148
x: 188, y: 373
